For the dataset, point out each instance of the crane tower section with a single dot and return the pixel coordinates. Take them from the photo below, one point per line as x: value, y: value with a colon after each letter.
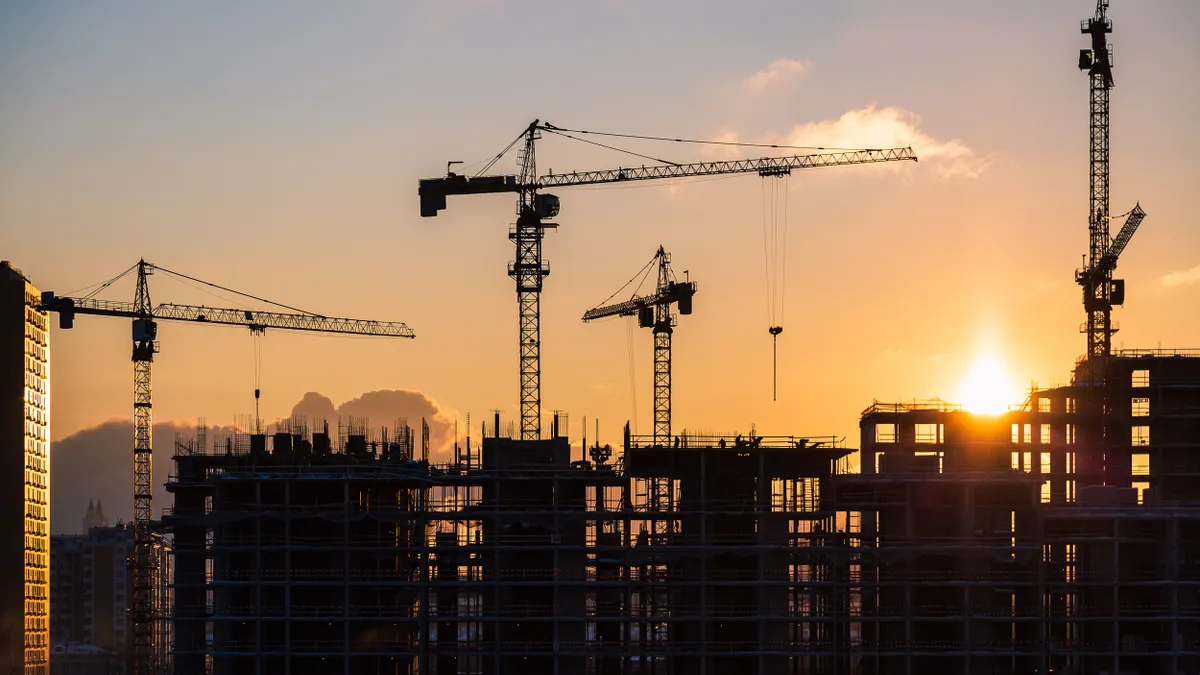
x: 654, y: 311
x: 1100, y: 290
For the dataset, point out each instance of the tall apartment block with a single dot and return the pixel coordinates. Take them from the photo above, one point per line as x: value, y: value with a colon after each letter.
x: 24, y: 476
x: 91, y: 600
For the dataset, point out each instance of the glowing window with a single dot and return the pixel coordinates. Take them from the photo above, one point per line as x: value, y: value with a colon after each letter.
x: 1141, y: 488
x: 1140, y: 407
x: 1044, y: 434
x: 885, y: 433
x: 1027, y: 461
x: 1046, y: 492
x: 929, y: 433
x: 1141, y: 378
x: 1045, y: 462
x: 1043, y: 405
x: 1070, y: 434
x: 1140, y: 464
x: 1140, y: 436
x: 1016, y: 433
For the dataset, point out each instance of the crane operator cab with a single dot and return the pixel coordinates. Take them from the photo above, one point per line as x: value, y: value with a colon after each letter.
x: 546, y: 205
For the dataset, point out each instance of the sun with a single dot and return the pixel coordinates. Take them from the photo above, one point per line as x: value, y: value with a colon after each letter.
x: 987, y: 388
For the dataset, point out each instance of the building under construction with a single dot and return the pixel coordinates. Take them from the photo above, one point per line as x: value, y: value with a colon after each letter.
x: 1059, y: 537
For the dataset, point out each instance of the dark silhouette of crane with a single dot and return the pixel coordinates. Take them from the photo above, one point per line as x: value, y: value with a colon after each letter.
x: 145, y: 346
x: 654, y: 311
x: 1100, y: 290
x: 534, y: 207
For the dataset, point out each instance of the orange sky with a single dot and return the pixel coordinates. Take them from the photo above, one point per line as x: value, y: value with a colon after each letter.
x: 277, y: 151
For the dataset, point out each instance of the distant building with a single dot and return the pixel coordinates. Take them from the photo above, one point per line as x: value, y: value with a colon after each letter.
x: 91, y: 598
x: 95, y: 516
x: 24, y: 476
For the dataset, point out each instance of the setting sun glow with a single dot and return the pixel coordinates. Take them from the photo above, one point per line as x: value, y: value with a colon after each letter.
x: 987, y: 388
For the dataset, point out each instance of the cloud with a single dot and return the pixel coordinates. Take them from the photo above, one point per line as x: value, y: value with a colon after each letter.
x: 778, y: 72
x: 98, y: 463
x: 1182, y: 277
x: 875, y: 127
x: 384, y: 408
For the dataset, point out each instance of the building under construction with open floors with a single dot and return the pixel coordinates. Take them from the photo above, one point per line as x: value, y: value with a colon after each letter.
x: 301, y: 554
x: 1061, y: 537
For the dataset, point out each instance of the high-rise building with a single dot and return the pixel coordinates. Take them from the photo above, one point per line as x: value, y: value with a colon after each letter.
x: 24, y: 476
x: 92, y: 598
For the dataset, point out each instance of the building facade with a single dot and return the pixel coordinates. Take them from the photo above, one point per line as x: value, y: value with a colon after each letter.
x: 92, y: 596
x: 24, y: 476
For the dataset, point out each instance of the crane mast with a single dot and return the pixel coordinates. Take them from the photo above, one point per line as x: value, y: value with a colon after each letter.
x: 142, y: 566
x: 662, y: 353
x: 1100, y: 290
x: 145, y: 345
x: 529, y: 269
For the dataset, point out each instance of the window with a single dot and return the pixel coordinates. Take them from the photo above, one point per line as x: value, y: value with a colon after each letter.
x: 1071, y: 491
x: 929, y: 433
x: 1027, y: 461
x: 1027, y: 433
x: 1070, y: 434
x: 1016, y: 461
x: 1046, y: 492
x: 1043, y: 405
x: 1070, y: 462
x: 1140, y: 436
x: 1141, y: 491
x: 885, y: 433
x: 1044, y: 434
x: 1140, y: 464
x: 1140, y: 407
x: 1016, y: 433
x: 1045, y: 462
x: 1141, y: 378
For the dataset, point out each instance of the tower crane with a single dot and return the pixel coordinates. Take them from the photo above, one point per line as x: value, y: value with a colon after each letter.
x: 145, y: 346
x: 1100, y: 290
x: 654, y: 311
x: 534, y: 207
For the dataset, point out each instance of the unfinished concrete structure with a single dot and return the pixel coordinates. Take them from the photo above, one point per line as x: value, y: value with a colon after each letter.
x: 291, y: 557
x: 1062, y: 535
x: 299, y: 554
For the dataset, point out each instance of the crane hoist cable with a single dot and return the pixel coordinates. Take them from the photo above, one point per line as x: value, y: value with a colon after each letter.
x: 256, y: 337
x: 775, y: 227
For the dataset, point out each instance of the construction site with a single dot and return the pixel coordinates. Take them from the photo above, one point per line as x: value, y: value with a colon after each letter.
x: 1012, y: 543
x: 1060, y: 536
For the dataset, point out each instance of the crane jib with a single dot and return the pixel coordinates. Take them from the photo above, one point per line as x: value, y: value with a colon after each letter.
x: 433, y: 191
